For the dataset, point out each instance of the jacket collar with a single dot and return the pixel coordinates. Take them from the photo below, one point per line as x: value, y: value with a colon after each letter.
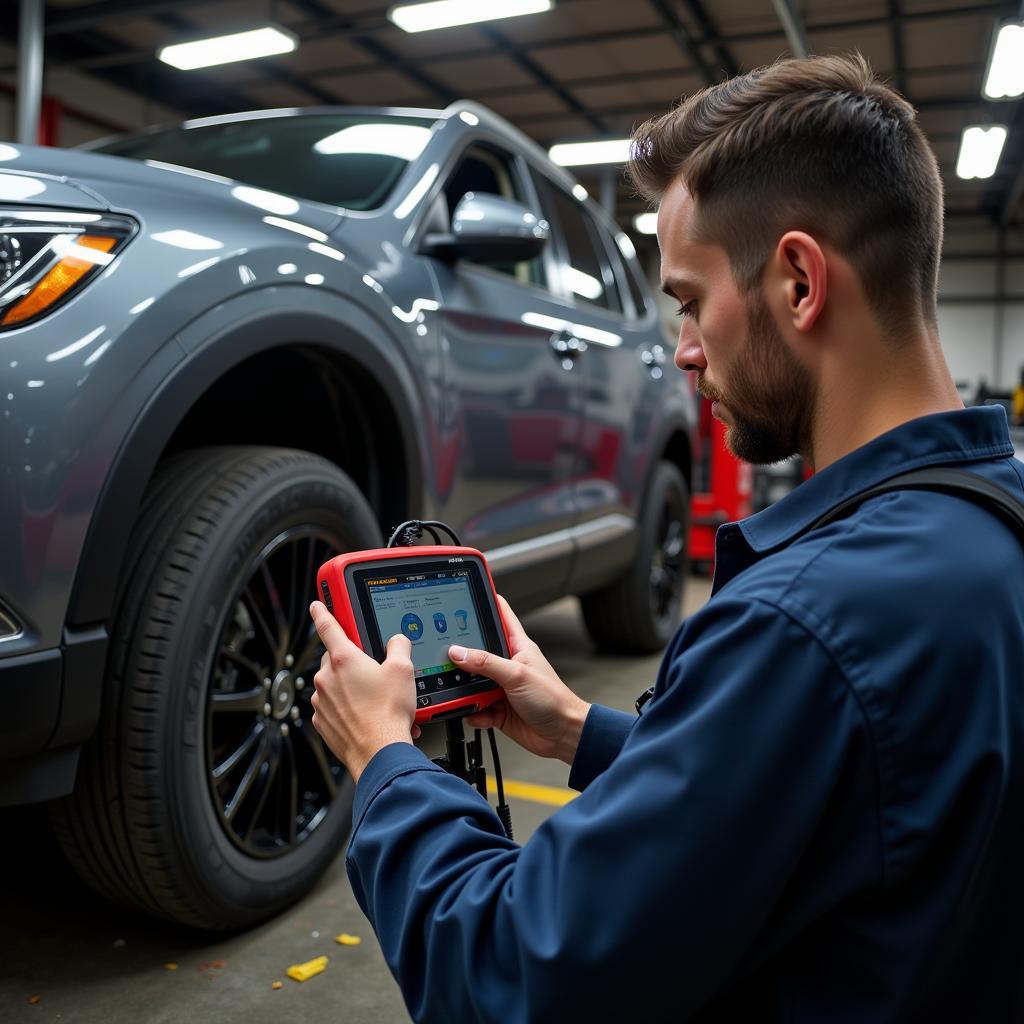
x: 945, y: 438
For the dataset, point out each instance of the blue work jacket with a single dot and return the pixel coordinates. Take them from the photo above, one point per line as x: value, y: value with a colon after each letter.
x: 818, y: 817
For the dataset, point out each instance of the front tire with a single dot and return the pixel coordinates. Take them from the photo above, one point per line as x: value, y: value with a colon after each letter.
x: 206, y: 796
x: 639, y: 612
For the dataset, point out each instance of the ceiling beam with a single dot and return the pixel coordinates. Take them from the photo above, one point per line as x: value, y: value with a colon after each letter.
x: 793, y: 26
x: 681, y: 36
x: 529, y: 65
x: 709, y: 31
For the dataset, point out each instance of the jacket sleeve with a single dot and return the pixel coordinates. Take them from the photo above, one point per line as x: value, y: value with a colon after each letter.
x: 604, y: 733
x: 647, y: 890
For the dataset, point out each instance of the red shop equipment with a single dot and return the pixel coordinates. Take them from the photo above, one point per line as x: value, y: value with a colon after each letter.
x: 722, y: 489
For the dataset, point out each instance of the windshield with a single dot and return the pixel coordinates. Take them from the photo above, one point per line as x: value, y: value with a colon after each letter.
x: 349, y: 160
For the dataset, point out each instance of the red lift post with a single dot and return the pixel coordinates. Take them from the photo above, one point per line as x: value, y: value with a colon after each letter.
x: 723, y: 489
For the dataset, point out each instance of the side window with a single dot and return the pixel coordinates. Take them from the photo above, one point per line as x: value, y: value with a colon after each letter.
x: 483, y: 169
x: 587, y: 275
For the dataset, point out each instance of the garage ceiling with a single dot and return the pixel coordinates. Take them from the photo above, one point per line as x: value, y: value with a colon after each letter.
x: 588, y: 68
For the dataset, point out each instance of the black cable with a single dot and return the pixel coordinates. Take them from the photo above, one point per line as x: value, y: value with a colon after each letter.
x: 504, y: 812
x: 409, y: 532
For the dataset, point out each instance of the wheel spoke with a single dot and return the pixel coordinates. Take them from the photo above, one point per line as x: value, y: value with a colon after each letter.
x: 237, y: 658
x: 273, y: 762
x: 244, y: 700
x: 316, y: 746
x: 249, y: 779
x: 275, y: 603
x: 250, y: 602
x: 240, y: 752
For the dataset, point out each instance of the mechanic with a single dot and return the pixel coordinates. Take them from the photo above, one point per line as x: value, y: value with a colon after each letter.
x: 820, y: 814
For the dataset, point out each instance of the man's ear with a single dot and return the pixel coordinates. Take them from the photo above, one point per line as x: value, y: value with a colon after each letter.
x: 802, y: 273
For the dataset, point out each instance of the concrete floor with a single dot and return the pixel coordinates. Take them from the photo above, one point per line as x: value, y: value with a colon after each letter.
x: 90, y: 962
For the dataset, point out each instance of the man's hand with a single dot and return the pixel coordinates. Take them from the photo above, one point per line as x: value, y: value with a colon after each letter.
x: 361, y: 706
x: 539, y: 712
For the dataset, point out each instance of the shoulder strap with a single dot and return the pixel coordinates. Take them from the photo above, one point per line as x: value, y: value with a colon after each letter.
x: 957, y: 482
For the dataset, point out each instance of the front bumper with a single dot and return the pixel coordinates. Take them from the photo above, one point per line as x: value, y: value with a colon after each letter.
x: 51, y: 703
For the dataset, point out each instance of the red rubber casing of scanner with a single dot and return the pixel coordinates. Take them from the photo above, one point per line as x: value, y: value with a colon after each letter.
x: 332, y: 574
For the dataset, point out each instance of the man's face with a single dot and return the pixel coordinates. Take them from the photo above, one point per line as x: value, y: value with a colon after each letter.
x: 763, y: 393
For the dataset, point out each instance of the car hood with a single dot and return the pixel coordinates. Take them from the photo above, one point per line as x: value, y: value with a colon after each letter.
x: 49, y: 176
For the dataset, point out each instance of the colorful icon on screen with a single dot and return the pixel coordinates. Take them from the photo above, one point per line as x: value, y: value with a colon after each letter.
x: 412, y: 626
x: 460, y: 619
x: 440, y: 622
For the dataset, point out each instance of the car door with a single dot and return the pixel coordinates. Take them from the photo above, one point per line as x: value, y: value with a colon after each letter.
x: 512, y: 408
x: 621, y: 370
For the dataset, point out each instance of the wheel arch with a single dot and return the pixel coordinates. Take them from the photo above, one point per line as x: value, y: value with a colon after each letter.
x: 335, y: 358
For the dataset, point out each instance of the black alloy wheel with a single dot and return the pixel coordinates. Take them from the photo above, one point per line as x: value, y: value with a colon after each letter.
x: 272, y: 778
x: 668, y: 560
x: 639, y: 612
x: 206, y: 796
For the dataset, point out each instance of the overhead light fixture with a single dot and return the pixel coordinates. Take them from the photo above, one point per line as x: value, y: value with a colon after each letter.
x: 979, y: 151
x: 578, y: 154
x: 205, y: 53
x: 449, y: 13
x: 1004, y: 77
x: 646, y: 223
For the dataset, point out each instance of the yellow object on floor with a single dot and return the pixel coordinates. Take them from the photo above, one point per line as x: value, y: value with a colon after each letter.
x: 347, y: 940
x: 303, y: 972
x: 276, y: 985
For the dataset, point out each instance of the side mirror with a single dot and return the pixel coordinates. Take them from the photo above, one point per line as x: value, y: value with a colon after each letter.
x: 489, y: 229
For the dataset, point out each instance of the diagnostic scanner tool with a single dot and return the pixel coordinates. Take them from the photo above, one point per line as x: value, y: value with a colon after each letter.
x: 435, y: 596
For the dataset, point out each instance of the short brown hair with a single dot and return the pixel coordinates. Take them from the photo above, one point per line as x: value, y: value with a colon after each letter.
x: 817, y: 144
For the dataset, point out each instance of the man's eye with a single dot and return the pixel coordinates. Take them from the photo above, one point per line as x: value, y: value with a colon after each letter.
x: 689, y: 309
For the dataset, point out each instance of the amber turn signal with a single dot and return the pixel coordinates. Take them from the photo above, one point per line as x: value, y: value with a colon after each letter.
x: 59, y: 279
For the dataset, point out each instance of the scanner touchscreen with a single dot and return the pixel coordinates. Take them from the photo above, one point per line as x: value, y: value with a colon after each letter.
x: 434, y: 610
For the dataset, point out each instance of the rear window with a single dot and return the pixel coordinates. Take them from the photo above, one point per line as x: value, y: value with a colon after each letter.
x: 345, y: 160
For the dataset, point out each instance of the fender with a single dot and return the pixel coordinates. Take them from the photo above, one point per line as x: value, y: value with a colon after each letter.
x: 215, y: 343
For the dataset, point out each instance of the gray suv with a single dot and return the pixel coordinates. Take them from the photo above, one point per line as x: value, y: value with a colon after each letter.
x: 233, y: 348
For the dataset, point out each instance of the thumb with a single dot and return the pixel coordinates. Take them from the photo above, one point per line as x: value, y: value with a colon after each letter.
x: 507, y: 674
x: 399, y: 648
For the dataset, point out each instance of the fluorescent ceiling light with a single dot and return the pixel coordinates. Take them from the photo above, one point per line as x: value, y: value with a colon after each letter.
x: 576, y: 154
x: 405, y: 141
x: 1005, y: 77
x: 979, y: 151
x: 447, y: 13
x: 204, y: 53
x: 646, y: 223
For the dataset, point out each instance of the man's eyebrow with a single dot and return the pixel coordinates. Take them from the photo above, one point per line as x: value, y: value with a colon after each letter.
x: 676, y: 286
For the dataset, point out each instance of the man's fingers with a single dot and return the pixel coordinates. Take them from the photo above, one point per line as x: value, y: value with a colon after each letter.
x: 503, y: 671
x: 517, y: 637
x: 332, y: 636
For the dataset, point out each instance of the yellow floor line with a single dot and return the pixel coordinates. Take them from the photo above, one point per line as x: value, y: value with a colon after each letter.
x: 553, y: 796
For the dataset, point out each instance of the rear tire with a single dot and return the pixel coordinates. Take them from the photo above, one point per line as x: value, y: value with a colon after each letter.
x: 639, y: 612
x: 219, y: 574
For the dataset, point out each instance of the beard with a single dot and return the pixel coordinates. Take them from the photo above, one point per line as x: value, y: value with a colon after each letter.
x: 770, y: 398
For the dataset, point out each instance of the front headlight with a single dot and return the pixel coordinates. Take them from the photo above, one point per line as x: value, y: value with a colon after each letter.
x: 46, y: 256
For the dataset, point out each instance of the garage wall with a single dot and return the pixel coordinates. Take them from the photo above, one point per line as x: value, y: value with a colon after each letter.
x: 81, y: 94
x: 981, y: 305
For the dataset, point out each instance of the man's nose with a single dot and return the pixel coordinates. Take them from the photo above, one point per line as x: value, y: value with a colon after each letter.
x: 689, y: 351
